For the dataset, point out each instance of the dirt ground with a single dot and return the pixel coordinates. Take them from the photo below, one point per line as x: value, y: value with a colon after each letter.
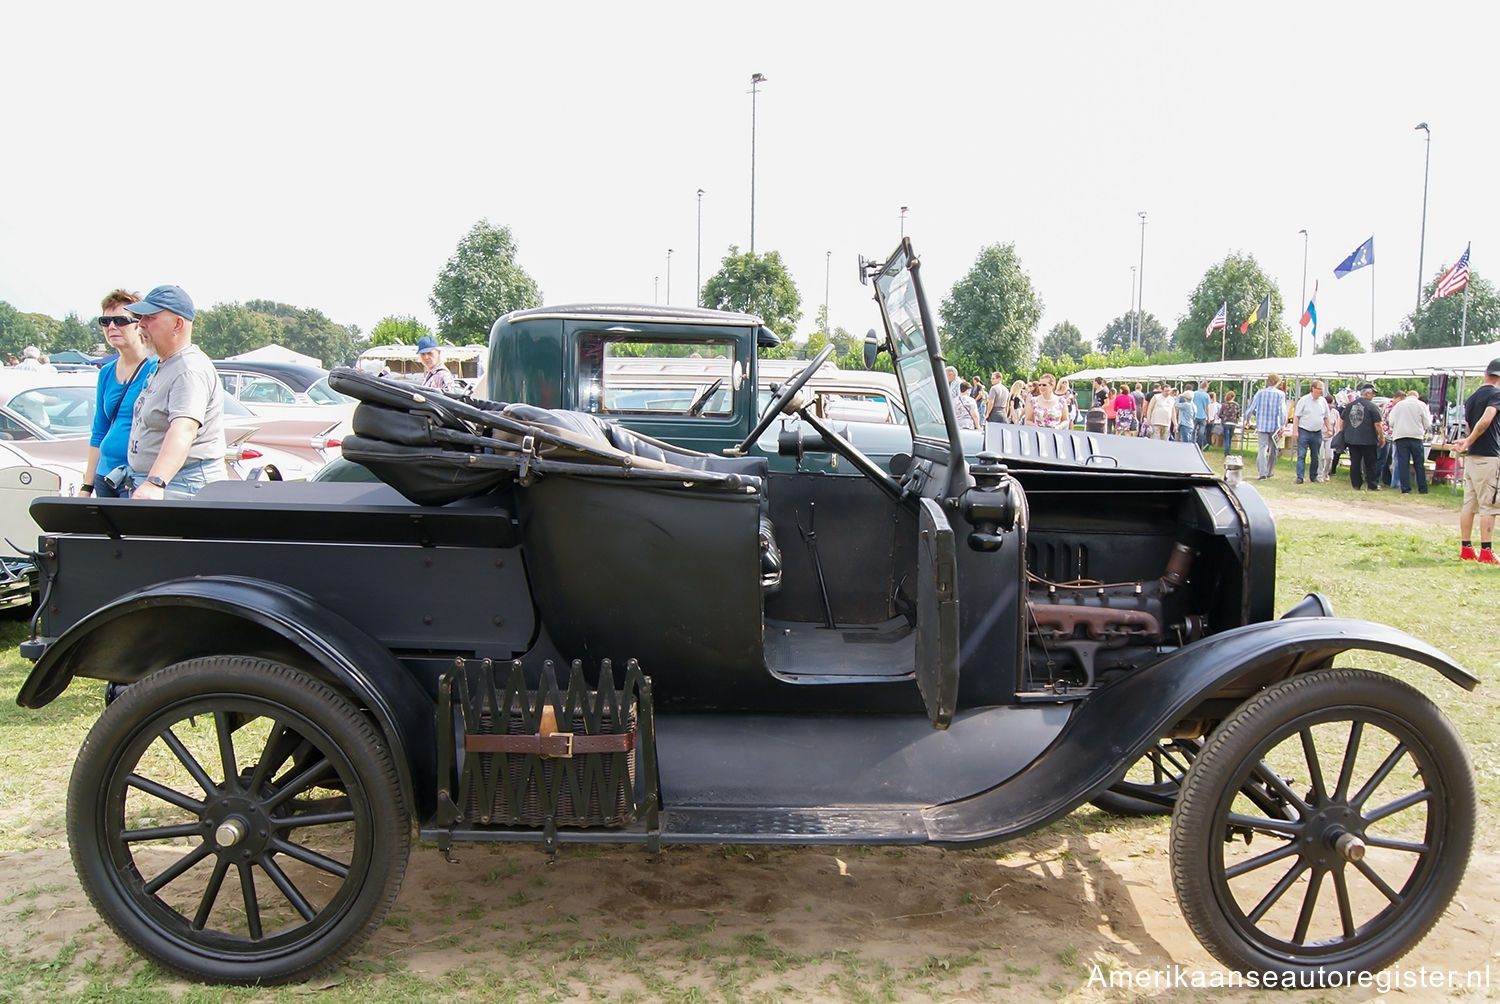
x: 1028, y: 921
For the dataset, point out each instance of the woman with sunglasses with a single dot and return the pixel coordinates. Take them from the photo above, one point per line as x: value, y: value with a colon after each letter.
x: 120, y: 383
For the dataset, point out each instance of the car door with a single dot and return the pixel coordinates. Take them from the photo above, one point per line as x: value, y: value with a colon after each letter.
x: 937, y: 615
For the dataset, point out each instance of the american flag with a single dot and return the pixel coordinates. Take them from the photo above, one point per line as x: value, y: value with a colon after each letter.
x: 1219, y: 321
x: 1455, y: 279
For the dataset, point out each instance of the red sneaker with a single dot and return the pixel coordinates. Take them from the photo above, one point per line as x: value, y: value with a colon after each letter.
x: 1467, y: 553
x: 1487, y: 557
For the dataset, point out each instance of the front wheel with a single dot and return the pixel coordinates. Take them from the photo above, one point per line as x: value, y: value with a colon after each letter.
x: 237, y: 821
x: 1374, y: 819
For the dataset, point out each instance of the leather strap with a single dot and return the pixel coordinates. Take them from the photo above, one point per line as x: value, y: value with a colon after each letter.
x: 556, y: 744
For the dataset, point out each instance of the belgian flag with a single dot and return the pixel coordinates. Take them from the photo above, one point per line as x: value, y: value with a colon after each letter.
x: 1263, y: 310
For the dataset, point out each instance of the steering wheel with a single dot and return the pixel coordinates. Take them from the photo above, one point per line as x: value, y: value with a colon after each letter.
x: 783, y: 398
x: 696, y: 407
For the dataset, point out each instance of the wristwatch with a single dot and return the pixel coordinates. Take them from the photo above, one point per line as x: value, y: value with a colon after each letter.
x: 155, y: 479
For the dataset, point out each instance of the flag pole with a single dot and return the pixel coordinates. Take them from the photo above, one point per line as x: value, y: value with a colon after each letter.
x: 1463, y: 331
x: 1372, y: 306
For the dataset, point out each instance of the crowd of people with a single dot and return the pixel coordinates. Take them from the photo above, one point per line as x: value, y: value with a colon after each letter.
x: 1386, y: 445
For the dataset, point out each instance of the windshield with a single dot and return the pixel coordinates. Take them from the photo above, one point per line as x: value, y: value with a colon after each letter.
x: 900, y: 294
x: 321, y: 393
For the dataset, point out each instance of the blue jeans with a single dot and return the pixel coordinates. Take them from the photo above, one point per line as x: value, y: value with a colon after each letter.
x: 1308, y: 441
x: 1200, y: 432
x: 1410, y: 449
x: 188, y: 481
x: 1184, y: 433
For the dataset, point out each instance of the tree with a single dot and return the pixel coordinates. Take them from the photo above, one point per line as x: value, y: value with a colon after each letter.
x: 1238, y: 281
x: 1120, y: 334
x: 73, y: 333
x: 17, y: 330
x: 1340, y: 341
x: 309, y: 331
x: 993, y: 312
x: 480, y: 282
x: 1442, y: 321
x: 1065, y: 341
x: 756, y: 284
x: 393, y: 330
x: 227, y: 329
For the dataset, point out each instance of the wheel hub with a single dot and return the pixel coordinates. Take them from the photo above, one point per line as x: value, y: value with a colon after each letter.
x: 239, y: 826
x: 1333, y: 836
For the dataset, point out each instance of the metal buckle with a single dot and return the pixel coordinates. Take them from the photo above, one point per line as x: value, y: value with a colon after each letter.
x: 568, y: 755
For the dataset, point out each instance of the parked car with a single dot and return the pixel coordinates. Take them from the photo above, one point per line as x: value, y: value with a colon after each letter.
x: 273, y: 384
x: 546, y: 627
x: 62, y: 409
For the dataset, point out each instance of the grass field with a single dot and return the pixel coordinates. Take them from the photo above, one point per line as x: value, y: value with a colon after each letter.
x: 1401, y: 576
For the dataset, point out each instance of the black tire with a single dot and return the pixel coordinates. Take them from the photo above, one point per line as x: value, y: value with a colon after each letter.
x: 236, y: 821
x: 1367, y: 841
x: 1150, y: 786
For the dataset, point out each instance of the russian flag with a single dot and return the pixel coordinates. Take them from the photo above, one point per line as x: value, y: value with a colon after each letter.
x: 1311, y: 313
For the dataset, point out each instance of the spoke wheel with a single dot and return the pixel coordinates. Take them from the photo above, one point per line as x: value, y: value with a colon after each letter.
x: 237, y: 821
x: 1325, y: 826
x: 1150, y: 786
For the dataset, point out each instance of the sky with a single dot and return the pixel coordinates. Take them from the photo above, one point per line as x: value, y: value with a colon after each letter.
x: 332, y: 154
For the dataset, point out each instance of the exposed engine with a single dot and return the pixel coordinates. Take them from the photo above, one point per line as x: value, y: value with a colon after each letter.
x: 1082, y: 629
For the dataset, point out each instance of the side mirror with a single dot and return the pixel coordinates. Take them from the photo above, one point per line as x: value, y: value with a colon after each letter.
x: 872, y: 348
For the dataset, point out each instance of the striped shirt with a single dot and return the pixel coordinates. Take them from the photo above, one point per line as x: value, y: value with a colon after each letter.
x: 1268, y: 407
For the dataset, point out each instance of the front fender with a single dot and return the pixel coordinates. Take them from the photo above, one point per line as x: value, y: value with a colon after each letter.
x: 1117, y: 725
x: 168, y: 622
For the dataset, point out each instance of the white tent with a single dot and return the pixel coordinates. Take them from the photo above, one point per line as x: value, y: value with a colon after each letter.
x: 274, y: 353
x: 1455, y: 360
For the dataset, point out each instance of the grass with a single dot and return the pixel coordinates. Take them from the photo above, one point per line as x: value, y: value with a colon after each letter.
x: 504, y: 945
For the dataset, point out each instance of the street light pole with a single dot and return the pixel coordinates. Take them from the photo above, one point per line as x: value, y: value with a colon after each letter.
x: 1303, y: 302
x: 669, y: 275
x: 756, y: 79
x: 698, y: 298
x: 827, y: 270
x: 1140, y: 311
x: 1422, y: 245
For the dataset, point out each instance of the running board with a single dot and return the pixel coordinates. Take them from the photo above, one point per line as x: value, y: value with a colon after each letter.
x: 715, y: 824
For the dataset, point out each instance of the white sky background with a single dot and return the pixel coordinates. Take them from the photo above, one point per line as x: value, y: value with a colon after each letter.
x: 332, y: 155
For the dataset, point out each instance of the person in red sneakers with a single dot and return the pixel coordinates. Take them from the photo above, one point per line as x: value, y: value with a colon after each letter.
x: 1481, y: 452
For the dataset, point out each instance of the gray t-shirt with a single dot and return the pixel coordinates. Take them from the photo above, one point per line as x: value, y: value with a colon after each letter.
x: 185, y: 385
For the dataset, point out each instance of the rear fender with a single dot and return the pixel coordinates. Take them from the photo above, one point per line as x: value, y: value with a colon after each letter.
x: 169, y: 622
x: 1119, y: 723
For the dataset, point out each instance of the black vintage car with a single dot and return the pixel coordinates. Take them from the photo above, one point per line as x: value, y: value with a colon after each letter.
x: 543, y: 627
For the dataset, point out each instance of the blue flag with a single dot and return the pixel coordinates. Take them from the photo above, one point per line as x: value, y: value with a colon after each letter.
x: 1362, y: 256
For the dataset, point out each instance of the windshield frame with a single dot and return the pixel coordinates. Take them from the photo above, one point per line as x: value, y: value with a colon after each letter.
x: 916, y: 356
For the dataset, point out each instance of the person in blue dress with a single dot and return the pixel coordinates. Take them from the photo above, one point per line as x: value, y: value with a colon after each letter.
x: 120, y: 383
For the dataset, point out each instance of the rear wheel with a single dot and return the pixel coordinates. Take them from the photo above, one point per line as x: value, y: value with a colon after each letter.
x: 1150, y: 786
x: 1363, y: 842
x: 237, y: 821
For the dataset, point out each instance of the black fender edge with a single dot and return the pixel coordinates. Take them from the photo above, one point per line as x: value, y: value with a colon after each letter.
x: 169, y: 622
x: 1117, y: 725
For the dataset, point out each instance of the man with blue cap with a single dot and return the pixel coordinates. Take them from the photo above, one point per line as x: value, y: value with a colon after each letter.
x: 437, y: 376
x: 177, y: 434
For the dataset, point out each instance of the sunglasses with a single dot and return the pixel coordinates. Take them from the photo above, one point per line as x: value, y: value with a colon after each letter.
x: 116, y: 320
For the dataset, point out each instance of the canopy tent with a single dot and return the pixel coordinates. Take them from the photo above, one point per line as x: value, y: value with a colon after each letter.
x: 1454, y: 359
x: 464, y: 361
x: 72, y: 357
x: 274, y: 353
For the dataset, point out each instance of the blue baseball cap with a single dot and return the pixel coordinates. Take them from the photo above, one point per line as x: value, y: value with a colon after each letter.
x: 426, y: 344
x: 171, y: 298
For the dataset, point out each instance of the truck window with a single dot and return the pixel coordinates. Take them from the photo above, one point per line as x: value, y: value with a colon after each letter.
x: 639, y: 375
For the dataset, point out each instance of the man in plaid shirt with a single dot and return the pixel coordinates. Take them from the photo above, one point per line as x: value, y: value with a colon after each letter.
x: 1269, y: 408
